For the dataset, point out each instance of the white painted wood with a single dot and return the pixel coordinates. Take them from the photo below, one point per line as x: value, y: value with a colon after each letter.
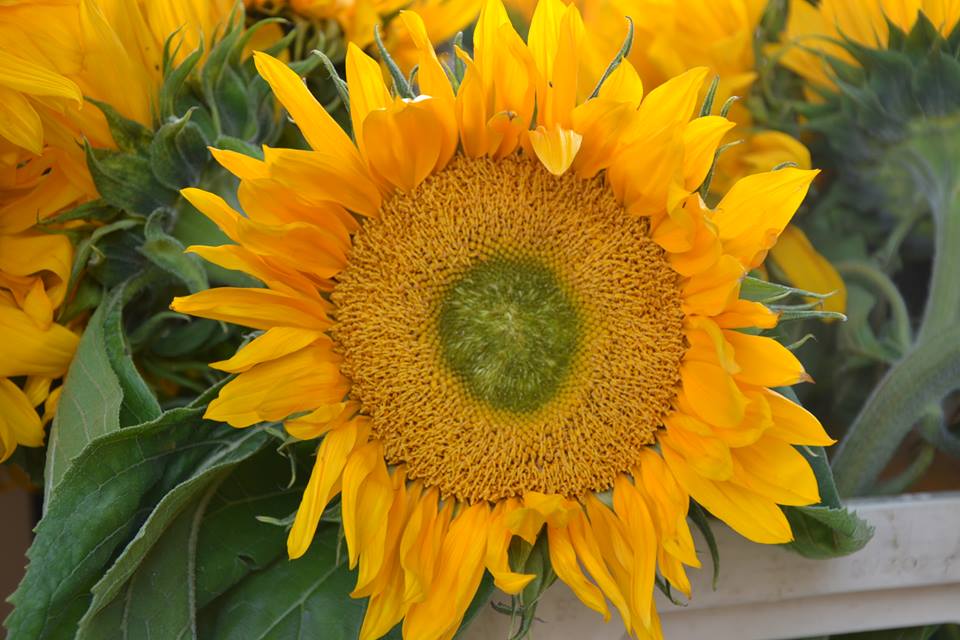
x: 909, y: 574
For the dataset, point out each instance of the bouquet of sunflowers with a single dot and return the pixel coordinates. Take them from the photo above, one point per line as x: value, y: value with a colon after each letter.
x: 341, y: 319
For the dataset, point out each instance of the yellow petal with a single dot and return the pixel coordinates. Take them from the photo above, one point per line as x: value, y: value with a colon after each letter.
x: 623, y: 85
x: 712, y: 393
x: 749, y: 514
x: 404, y: 143
x: 743, y: 313
x: 632, y: 510
x: 497, y: 560
x: 364, y: 502
x: 272, y: 344
x: 708, y: 343
x: 563, y: 559
x: 256, y: 308
x: 320, y: 175
x: 324, y: 483
x: 671, y: 104
x: 712, y: 292
x: 379, y: 537
x: 367, y: 90
x: 19, y: 121
x: 25, y: 76
x: 272, y: 273
x: 588, y: 551
x: 774, y: 469
x: 471, y: 109
x: 321, y: 420
x: 700, y: 140
x: 486, y: 38
x: 18, y: 418
x: 458, y: 576
x: 708, y: 456
x: 806, y: 269
x: 556, y: 148
x: 385, y: 609
x: 756, y: 210
x: 30, y: 350
x: 320, y: 130
x: 276, y: 389
x: 601, y: 123
x: 764, y: 361
x: 47, y: 255
x: 240, y: 164
x: 421, y: 543
x: 794, y: 424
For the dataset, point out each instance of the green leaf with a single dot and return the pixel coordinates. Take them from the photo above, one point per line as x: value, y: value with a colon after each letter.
x: 168, y: 253
x: 759, y: 290
x: 827, y: 532
x: 201, y: 539
x: 103, y: 499
x: 157, y: 599
x: 128, y: 134
x: 200, y: 488
x: 126, y: 181
x: 699, y: 518
x: 139, y: 405
x: 178, y: 153
x: 291, y: 598
x: 103, y: 390
x: 174, y: 82
x: 89, y: 405
x: 95, y: 210
x: 232, y: 542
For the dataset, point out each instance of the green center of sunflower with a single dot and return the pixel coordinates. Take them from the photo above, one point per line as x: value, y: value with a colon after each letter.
x: 509, y: 331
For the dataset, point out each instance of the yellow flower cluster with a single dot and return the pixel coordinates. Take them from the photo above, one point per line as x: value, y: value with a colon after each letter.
x: 56, y: 58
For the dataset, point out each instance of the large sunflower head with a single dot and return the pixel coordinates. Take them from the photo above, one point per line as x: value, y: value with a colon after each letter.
x: 507, y: 313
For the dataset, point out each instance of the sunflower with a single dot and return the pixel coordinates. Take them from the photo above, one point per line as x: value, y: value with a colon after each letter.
x: 506, y: 313
x: 358, y: 18
x: 52, y: 61
x: 813, y: 32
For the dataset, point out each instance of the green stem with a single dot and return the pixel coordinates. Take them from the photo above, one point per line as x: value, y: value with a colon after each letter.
x: 943, y: 298
x: 923, y: 377
x: 882, y: 284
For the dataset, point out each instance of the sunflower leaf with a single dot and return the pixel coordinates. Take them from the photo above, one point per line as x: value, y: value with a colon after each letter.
x: 169, y: 254
x: 699, y: 517
x: 102, y: 501
x: 826, y: 532
x: 102, y: 392
x: 126, y: 181
x: 287, y: 595
x: 212, y: 543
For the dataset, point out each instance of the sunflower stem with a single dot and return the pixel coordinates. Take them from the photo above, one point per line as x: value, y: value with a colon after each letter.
x: 881, y: 283
x: 931, y: 367
x: 922, y: 377
x: 943, y: 298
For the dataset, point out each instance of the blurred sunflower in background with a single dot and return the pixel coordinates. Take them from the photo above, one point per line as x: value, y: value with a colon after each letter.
x: 357, y: 20
x: 57, y: 60
x: 513, y: 324
x: 814, y: 32
x: 874, y: 88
